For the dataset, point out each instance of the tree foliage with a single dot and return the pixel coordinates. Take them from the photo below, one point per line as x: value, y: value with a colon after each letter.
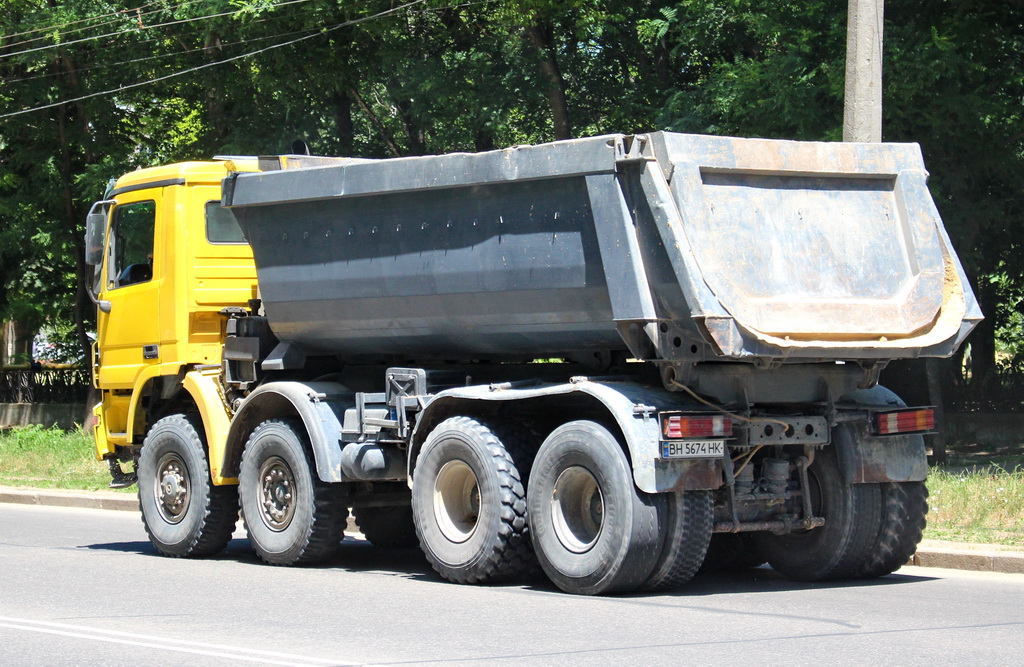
x: 186, y: 79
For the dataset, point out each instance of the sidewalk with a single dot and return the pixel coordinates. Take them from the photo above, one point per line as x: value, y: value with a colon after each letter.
x: 930, y: 553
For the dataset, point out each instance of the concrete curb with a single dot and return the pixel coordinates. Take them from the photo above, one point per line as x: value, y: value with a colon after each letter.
x: 102, y: 500
x: 930, y: 553
x: 965, y: 556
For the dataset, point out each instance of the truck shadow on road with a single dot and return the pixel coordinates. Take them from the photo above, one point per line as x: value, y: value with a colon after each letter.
x: 358, y: 555
x: 354, y: 555
x: 766, y: 580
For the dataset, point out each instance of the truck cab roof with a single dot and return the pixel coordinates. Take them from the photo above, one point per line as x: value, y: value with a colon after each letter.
x: 182, y: 173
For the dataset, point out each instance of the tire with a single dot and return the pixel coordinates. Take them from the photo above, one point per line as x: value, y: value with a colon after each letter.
x: 593, y: 531
x: 904, y: 506
x: 686, y: 533
x: 904, y: 510
x: 731, y: 552
x: 469, y: 505
x: 841, y: 547
x: 387, y: 527
x: 185, y: 515
x: 291, y: 516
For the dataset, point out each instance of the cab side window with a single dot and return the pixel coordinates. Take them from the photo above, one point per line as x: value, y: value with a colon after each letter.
x: 221, y: 225
x: 132, y: 246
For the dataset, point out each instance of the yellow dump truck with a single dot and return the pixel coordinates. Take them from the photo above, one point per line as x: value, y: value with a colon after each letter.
x: 616, y: 357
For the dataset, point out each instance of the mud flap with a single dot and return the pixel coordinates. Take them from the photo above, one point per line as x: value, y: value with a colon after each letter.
x: 868, y: 459
x: 688, y: 475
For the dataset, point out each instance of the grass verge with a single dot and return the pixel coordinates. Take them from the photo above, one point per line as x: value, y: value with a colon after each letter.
x: 50, y: 458
x: 967, y: 504
x: 977, y: 504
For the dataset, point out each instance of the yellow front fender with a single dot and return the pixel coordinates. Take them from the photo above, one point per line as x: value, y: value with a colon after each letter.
x: 205, y: 391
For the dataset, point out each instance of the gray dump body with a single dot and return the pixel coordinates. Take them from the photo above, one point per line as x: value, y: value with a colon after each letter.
x: 665, y: 246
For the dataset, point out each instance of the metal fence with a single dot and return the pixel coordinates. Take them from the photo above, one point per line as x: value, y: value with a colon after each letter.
x: 45, y: 386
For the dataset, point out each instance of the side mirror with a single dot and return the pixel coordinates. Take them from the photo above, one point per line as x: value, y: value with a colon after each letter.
x: 96, y: 232
x: 95, y: 247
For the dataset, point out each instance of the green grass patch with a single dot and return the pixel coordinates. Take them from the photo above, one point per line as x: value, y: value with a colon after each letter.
x: 51, y: 458
x: 976, y: 504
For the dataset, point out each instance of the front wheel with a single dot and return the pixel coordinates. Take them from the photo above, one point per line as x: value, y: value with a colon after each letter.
x: 183, y: 512
x: 593, y: 531
x: 292, y: 517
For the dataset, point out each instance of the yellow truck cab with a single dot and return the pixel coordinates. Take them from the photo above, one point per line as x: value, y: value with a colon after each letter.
x: 168, y: 260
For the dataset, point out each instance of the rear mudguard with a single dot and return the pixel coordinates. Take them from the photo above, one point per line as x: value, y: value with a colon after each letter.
x: 865, y: 458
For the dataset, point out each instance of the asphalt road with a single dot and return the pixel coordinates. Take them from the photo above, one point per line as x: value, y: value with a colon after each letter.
x: 83, y: 587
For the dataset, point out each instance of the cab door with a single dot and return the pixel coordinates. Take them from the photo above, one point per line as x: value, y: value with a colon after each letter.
x: 128, y: 335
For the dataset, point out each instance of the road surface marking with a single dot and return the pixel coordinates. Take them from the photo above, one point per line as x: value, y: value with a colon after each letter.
x: 167, y: 644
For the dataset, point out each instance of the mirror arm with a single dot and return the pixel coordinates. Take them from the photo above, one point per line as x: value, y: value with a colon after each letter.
x: 102, y: 305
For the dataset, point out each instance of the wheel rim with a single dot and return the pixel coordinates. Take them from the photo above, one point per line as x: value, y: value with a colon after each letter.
x: 577, y: 509
x: 277, y: 493
x: 456, y: 501
x: 172, y: 488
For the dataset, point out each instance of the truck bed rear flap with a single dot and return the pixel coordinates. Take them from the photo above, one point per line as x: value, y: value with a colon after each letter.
x: 807, y: 246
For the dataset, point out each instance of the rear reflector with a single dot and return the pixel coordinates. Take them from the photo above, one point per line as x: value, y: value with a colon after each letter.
x: 677, y: 427
x: 905, y: 421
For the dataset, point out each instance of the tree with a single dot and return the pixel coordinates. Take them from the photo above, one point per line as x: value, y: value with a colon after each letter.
x: 953, y: 78
x: 119, y: 85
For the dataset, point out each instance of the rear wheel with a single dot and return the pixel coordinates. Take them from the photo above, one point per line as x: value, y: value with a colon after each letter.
x: 593, y: 531
x: 291, y: 516
x: 840, y: 548
x: 904, y: 510
x: 688, y: 518
x: 469, y: 505
x: 184, y: 513
x: 387, y: 527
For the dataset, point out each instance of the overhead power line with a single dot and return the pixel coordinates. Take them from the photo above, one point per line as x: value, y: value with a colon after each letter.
x: 86, y: 20
x: 173, y: 54
x: 94, y: 20
x: 136, y: 29
x: 249, y: 54
x: 158, y: 56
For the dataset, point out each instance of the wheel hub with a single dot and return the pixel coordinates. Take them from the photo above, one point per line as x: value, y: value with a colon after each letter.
x: 277, y: 499
x: 456, y: 501
x: 577, y: 509
x: 172, y: 491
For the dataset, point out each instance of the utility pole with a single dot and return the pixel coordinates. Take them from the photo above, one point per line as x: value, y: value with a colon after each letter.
x: 862, y: 122
x: 862, y: 112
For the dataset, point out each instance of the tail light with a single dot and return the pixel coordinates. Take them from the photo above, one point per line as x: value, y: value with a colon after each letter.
x: 679, y: 427
x: 905, y: 421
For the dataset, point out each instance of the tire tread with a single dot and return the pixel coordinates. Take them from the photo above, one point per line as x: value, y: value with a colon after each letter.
x: 329, y: 514
x: 904, y: 518
x: 510, y: 554
x: 220, y: 511
x: 687, y: 533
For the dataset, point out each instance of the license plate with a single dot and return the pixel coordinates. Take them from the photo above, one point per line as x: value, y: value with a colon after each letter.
x: 692, y: 449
